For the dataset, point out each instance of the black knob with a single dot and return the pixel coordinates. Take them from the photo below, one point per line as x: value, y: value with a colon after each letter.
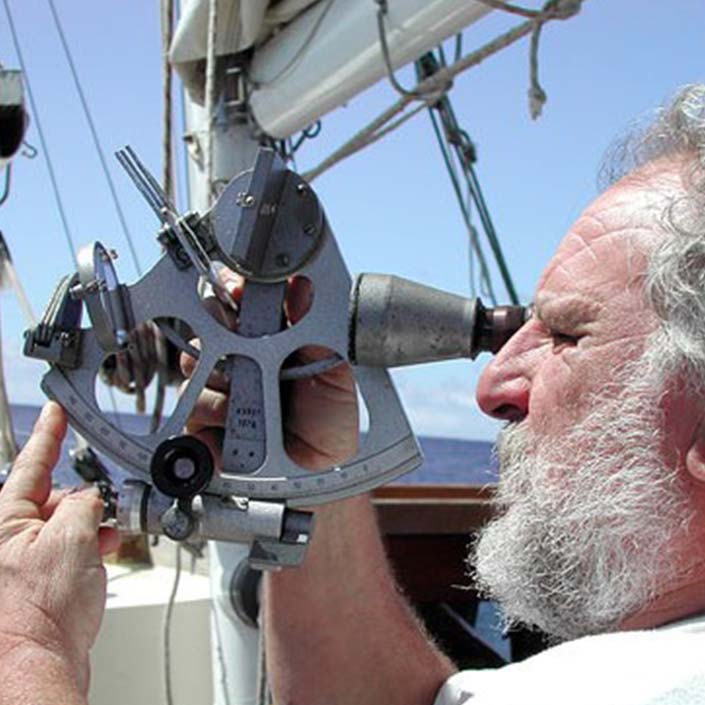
x: 182, y: 467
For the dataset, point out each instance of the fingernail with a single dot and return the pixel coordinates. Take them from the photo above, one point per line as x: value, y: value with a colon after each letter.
x: 45, y: 412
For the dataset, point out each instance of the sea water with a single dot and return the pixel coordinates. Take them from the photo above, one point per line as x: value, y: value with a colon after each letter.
x: 446, y: 460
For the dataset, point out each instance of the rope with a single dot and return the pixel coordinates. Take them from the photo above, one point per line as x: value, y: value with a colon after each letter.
x: 366, y: 135
x: 511, y: 9
x: 435, y: 83
x: 94, y: 136
x: 168, y: 614
x: 537, y: 95
x: 553, y: 9
x: 167, y: 19
x: 29, y: 151
x: 40, y: 132
x: 382, y: 10
x: 210, y: 92
x: 473, y: 185
x: 168, y: 185
x: 224, y: 690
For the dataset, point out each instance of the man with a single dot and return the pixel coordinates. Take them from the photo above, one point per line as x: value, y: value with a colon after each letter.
x: 601, y: 528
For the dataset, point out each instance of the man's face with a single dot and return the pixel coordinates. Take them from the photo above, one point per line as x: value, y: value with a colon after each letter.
x: 590, y: 499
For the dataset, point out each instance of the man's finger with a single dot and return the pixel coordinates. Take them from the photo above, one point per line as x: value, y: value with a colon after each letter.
x: 78, y: 512
x: 213, y: 439
x: 47, y: 509
x: 299, y: 297
x: 210, y: 409
x: 30, y: 479
x: 108, y: 540
x: 216, y: 379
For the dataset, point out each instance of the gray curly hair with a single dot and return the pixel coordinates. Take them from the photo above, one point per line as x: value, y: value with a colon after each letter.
x: 675, y: 281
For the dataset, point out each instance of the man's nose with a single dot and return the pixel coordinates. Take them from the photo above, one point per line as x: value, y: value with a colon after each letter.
x: 505, y: 384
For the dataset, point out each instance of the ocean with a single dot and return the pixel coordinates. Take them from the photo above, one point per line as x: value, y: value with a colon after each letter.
x: 446, y: 460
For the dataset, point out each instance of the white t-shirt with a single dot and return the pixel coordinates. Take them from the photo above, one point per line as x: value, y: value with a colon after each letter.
x: 664, y: 666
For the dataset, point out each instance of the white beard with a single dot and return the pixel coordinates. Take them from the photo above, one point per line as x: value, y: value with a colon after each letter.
x: 587, y: 521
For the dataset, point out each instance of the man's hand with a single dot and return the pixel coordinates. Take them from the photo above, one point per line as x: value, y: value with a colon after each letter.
x: 52, y: 581
x: 321, y: 422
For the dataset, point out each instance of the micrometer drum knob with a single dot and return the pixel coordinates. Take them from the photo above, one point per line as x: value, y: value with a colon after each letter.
x: 182, y: 467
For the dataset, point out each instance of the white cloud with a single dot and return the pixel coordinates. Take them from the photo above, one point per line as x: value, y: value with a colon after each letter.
x: 444, y: 406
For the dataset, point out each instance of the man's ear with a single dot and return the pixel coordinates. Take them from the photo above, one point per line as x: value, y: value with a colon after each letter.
x: 695, y: 456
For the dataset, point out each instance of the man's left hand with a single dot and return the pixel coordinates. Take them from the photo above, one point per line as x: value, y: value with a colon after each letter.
x: 52, y: 580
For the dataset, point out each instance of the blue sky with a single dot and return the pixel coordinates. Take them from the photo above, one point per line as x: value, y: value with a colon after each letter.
x: 391, y: 207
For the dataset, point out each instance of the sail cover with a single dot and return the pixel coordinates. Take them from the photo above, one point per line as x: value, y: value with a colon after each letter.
x: 311, y: 56
x: 240, y: 25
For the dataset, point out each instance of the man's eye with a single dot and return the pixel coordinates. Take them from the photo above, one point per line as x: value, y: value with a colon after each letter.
x: 563, y: 339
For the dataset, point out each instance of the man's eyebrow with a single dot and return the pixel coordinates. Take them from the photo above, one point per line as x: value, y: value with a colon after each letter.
x: 565, y: 310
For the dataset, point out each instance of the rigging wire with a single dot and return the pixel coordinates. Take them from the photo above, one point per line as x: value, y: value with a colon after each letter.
x: 42, y: 140
x: 137, y: 348
x: 458, y: 141
x: 413, y: 94
x: 52, y: 177
x: 458, y: 47
x: 472, y: 233
x: 94, y: 135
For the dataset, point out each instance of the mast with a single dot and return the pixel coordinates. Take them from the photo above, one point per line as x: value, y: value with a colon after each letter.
x: 235, y: 644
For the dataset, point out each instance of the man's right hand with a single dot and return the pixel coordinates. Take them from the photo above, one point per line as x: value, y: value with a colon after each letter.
x: 321, y: 424
x: 337, y: 629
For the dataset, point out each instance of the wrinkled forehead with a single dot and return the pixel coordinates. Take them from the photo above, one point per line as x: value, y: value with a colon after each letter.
x: 606, y: 250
